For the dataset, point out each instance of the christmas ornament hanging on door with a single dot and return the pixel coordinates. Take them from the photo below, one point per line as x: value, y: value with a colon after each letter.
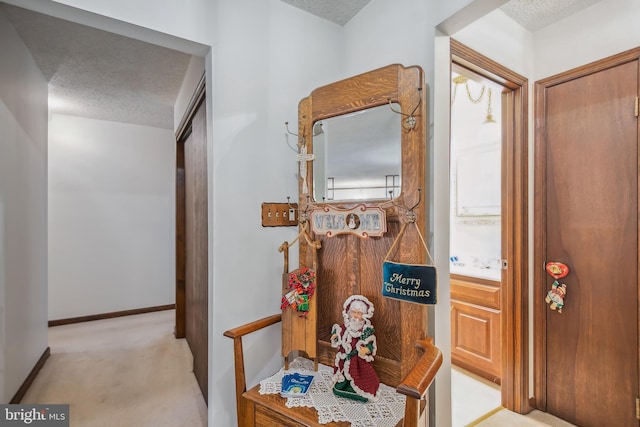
x: 555, y: 296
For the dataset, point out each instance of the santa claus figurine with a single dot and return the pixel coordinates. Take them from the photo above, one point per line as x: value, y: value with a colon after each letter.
x: 354, y: 376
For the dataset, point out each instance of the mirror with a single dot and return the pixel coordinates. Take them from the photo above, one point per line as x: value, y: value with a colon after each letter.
x: 358, y: 155
x: 477, y: 183
x: 366, y: 132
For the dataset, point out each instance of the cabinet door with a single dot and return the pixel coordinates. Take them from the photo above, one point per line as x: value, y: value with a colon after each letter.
x: 475, y: 339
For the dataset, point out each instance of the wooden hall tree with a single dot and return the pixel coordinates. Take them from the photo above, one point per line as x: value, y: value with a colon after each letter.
x: 348, y: 264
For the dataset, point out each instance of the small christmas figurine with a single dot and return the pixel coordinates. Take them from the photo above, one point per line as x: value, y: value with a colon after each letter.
x: 555, y: 296
x: 557, y: 293
x: 354, y: 376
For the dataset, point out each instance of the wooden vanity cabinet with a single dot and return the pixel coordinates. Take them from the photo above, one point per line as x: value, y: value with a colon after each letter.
x: 475, y: 326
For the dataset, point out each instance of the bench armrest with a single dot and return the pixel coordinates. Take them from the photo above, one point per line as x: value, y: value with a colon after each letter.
x: 417, y: 382
x: 238, y: 355
x: 256, y: 325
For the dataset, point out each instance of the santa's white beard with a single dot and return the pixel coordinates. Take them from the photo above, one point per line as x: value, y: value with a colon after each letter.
x: 355, y: 325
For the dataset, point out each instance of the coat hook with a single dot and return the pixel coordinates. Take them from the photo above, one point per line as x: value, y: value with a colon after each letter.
x: 411, y: 215
x: 303, y: 216
x: 410, y: 121
x: 286, y: 125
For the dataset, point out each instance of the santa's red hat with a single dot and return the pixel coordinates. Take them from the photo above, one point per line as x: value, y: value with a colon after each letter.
x: 361, y: 303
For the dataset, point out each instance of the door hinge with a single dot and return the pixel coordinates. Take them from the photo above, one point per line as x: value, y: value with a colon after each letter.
x: 636, y: 109
x: 638, y: 408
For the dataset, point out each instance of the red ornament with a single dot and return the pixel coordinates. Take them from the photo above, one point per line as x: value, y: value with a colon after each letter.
x: 557, y: 270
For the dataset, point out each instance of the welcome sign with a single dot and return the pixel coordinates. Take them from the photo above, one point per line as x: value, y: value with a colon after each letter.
x: 360, y: 220
x: 409, y: 282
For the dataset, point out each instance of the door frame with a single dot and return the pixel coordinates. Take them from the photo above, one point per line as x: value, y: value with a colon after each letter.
x: 540, y: 206
x: 182, y: 133
x: 514, y: 296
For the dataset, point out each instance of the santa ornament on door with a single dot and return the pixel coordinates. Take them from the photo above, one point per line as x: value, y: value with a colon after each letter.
x: 555, y: 296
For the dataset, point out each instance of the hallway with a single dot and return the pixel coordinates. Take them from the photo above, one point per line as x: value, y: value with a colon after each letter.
x: 121, y: 372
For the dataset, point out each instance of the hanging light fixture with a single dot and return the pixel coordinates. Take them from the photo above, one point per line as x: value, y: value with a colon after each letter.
x: 490, y: 131
x: 463, y: 80
x: 489, y: 118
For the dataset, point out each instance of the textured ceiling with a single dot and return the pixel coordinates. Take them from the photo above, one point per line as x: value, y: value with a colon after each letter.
x: 101, y: 75
x: 338, y: 11
x: 97, y: 74
x: 536, y: 14
x: 531, y: 14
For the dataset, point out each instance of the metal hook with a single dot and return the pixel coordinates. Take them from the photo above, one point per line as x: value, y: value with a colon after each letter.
x: 411, y: 215
x: 302, y: 215
x: 301, y: 138
x: 410, y: 120
x: 419, y: 199
x: 286, y: 125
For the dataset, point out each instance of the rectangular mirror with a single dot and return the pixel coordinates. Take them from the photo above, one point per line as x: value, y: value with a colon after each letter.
x: 364, y: 137
x: 358, y: 155
x: 477, y: 183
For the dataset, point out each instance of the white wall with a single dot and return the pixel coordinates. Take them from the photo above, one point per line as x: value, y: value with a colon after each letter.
x: 111, y: 216
x: 500, y: 38
x: 265, y: 62
x: 23, y: 212
x: 603, y: 29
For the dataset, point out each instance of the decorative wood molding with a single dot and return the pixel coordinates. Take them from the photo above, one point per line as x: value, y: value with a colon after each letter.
x: 514, y: 289
x: 111, y: 315
x: 17, y: 398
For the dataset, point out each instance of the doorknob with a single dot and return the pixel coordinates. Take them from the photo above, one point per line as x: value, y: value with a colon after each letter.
x: 555, y: 296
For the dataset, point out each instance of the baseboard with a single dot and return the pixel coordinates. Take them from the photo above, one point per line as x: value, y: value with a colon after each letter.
x: 111, y: 315
x: 31, y: 377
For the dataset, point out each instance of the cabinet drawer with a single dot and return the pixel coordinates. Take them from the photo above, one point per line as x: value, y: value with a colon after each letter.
x: 485, y: 293
x: 267, y: 417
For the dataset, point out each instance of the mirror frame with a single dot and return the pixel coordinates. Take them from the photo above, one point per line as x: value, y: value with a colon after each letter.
x: 393, y: 83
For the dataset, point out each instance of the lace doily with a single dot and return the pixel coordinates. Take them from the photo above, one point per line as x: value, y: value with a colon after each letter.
x: 386, y: 412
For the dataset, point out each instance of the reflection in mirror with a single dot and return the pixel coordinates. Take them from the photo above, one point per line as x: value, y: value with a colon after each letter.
x: 357, y: 155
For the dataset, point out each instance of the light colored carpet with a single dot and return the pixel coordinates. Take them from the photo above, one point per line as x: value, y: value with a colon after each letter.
x: 501, y: 417
x: 471, y: 397
x: 476, y: 402
x: 122, y: 372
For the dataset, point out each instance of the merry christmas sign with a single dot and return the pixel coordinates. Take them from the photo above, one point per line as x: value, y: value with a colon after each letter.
x: 409, y: 282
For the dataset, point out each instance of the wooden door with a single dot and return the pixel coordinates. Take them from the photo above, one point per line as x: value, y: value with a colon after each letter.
x: 196, y: 247
x: 589, y: 154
